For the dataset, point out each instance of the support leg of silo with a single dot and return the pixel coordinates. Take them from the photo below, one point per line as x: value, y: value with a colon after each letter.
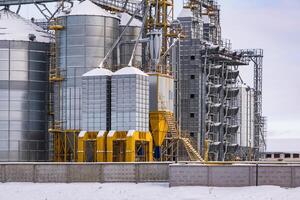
x: 101, y: 146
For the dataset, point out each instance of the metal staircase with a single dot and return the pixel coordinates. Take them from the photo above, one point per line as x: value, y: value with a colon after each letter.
x: 192, y: 152
x: 176, y: 136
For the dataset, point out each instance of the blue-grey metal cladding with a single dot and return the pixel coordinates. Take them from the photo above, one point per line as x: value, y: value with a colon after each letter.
x: 23, y: 100
x: 82, y: 44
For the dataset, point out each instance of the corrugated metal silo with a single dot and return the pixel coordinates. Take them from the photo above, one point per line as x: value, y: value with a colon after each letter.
x: 130, y: 100
x: 88, y: 34
x: 24, y: 64
x: 96, y: 93
x: 127, y: 42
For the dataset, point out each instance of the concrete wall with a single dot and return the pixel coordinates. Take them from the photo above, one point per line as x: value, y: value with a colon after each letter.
x: 234, y: 175
x: 87, y: 172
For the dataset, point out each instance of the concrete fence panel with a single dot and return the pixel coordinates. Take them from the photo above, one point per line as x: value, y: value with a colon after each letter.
x: 234, y: 175
x: 153, y: 172
x: 229, y: 176
x: 191, y: 176
x: 119, y: 172
x: 275, y: 175
x: 84, y: 173
x: 18, y: 173
x: 47, y: 173
x: 296, y: 176
x: 2, y: 174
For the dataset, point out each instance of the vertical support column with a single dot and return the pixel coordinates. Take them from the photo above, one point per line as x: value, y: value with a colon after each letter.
x: 81, y: 146
x: 130, y: 147
x: 101, y: 146
x: 109, y: 146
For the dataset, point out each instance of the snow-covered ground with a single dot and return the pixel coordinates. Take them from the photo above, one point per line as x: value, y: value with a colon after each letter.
x: 141, y: 191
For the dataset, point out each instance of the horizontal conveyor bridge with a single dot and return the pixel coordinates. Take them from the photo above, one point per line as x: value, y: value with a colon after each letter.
x: 129, y: 6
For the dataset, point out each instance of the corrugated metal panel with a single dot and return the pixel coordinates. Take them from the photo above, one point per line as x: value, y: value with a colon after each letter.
x: 161, y: 93
x: 96, y: 103
x: 130, y: 102
x: 126, y: 48
x: 245, y: 135
x: 23, y: 101
x: 81, y: 46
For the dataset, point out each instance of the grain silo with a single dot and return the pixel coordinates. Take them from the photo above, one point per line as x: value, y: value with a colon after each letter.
x: 130, y: 100
x: 88, y: 34
x: 96, y: 93
x: 24, y: 50
x: 127, y: 43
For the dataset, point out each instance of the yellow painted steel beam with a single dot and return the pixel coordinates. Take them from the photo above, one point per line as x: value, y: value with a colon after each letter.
x: 206, y: 150
x: 101, y: 146
x: 132, y: 138
x: 111, y: 137
x: 83, y: 137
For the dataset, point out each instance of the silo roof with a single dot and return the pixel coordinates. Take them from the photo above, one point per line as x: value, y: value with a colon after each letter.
x: 98, y: 72
x: 14, y: 27
x: 89, y: 8
x: 129, y: 71
x: 126, y: 17
x: 185, y: 12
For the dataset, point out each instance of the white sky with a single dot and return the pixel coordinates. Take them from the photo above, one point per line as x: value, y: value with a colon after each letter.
x: 274, y: 26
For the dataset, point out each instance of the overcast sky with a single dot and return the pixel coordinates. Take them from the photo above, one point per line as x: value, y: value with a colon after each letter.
x: 273, y: 25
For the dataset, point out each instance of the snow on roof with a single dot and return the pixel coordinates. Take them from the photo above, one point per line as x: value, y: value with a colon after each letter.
x: 130, y: 133
x: 82, y: 133
x: 101, y: 133
x: 98, y: 72
x: 129, y: 70
x: 14, y: 27
x: 185, y: 12
x: 126, y: 17
x: 89, y: 8
x: 111, y: 133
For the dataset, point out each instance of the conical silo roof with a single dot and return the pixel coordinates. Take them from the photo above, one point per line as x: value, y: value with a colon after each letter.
x: 98, y: 72
x: 125, y: 19
x: 14, y: 27
x: 129, y: 71
x: 89, y: 8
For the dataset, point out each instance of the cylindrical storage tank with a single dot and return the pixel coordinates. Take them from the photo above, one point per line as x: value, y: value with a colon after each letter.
x: 95, y: 103
x: 89, y: 32
x: 161, y: 92
x: 130, y: 100
x: 24, y: 65
x: 126, y: 46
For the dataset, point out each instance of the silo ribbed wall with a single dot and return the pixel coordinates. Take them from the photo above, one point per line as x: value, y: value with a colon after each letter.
x: 82, y: 44
x: 23, y: 100
x: 127, y: 45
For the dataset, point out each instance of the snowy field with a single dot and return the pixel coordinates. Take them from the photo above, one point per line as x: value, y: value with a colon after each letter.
x: 145, y: 191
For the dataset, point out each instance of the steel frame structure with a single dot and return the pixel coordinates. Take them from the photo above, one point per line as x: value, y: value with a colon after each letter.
x: 160, y: 17
x: 256, y: 56
x: 112, y: 5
